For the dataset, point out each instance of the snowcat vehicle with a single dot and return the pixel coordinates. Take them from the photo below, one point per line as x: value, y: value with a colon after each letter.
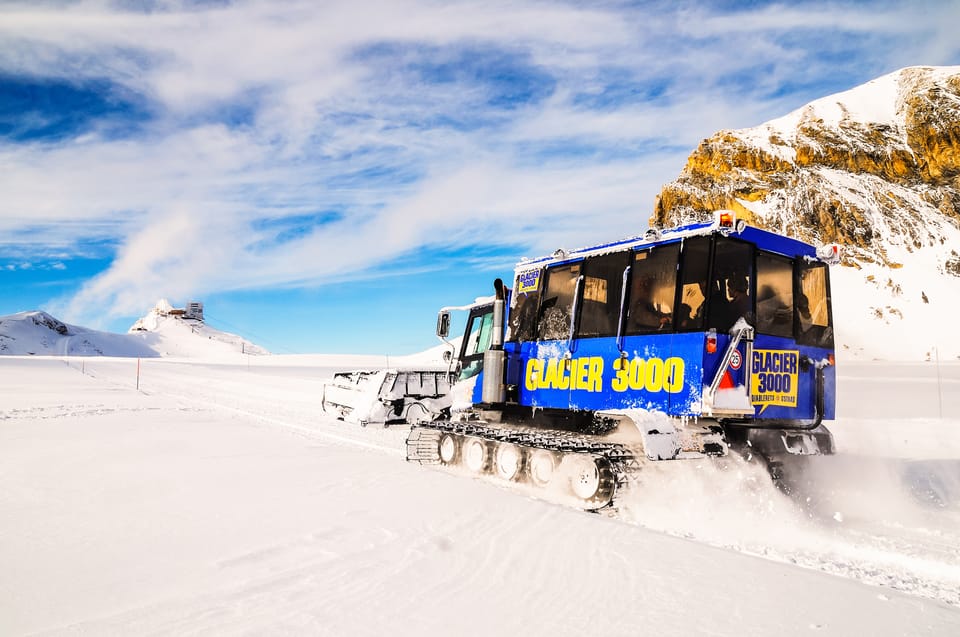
x: 406, y: 394
x: 685, y: 343
x: 386, y: 396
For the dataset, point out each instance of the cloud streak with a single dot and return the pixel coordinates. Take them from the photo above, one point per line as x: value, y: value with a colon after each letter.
x: 288, y: 143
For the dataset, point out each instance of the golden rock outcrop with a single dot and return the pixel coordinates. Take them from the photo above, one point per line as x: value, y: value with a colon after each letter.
x: 834, y: 171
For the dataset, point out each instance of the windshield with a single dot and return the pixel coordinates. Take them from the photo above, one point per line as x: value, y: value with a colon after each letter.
x: 477, y: 339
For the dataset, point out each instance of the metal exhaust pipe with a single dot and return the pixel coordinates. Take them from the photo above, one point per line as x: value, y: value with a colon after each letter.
x: 493, y: 391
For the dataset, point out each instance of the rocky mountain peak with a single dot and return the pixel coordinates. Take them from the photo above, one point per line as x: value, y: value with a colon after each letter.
x: 875, y: 169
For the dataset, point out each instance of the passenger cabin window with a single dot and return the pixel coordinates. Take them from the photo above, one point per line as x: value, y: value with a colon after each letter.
x: 522, y: 324
x: 602, y: 290
x: 702, y: 283
x: 653, y: 276
x: 813, y: 313
x: 731, y: 284
x: 691, y: 312
x: 774, y: 295
x: 555, y: 308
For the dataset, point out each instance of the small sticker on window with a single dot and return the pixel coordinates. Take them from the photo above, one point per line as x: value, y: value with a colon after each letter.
x: 528, y: 281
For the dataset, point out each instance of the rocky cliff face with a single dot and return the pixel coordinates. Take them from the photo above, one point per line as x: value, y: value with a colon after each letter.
x: 872, y: 168
x: 875, y: 169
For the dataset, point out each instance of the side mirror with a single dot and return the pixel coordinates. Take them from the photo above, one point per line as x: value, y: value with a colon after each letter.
x: 447, y: 356
x: 443, y: 324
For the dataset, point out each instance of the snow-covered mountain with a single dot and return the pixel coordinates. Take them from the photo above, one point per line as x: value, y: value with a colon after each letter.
x: 171, y: 332
x: 875, y: 169
x: 36, y: 332
x: 159, y: 333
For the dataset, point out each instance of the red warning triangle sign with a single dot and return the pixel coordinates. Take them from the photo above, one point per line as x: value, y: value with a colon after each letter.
x: 727, y: 381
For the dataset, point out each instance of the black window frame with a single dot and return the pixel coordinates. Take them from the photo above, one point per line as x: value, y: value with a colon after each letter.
x: 794, y: 280
x: 577, y: 290
x: 524, y: 310
x: 627, y: 331
x: 478, y: 313
x: 713, y: 277
x: 585, y: 271
x: 826, y: 338
x: 682, y: 265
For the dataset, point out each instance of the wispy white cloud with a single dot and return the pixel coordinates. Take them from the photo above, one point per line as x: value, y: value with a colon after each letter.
x: 415, y: 124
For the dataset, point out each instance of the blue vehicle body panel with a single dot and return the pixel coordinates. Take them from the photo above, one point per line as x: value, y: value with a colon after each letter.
x: 659, y: 372
x: 666, y: 373
x: 780, y: 389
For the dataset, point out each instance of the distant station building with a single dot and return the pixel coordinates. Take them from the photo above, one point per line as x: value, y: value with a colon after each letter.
x: 194, y: 310
x: 163, y: 309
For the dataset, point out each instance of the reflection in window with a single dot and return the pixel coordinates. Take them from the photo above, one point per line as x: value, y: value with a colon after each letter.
x: 602, y: 286
x: 653, y: 277
x: 559, y: 290
x: 813, y: 307
x: 730, y: 284
x: 774, y: 295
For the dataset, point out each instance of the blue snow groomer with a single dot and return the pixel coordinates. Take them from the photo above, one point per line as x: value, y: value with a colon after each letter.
x: 684, y: 343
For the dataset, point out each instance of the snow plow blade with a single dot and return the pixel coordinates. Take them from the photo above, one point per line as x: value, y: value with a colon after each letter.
x: 386, y: 396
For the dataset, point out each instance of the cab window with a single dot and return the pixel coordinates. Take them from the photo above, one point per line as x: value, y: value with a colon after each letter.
x: 813, y: 312
x: 774, y: 295
x: 553, y: 322
x: 602, y: 290
x: 653, y: 275
x: 479, y: 333
x: 691, y: 311
x: 731, y: 285
x: 522, y: 324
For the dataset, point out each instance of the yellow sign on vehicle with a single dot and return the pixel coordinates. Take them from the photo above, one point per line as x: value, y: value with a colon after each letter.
x: 528, y: 281
x: 773, y: 377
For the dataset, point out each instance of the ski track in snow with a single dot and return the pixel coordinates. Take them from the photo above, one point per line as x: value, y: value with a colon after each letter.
x: 285, y: 585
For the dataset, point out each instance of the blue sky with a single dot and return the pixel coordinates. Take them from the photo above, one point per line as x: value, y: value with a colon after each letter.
x: 325, y: 175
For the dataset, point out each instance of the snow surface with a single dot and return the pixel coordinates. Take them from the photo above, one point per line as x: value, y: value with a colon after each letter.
x: 218, y: 499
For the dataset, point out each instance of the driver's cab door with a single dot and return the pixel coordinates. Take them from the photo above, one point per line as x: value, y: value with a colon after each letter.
x: 476, y: 340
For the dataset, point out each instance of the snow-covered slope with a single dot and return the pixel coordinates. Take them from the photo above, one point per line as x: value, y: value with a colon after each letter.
x: 36, y: 332
x: 174, y: 335
x: 875, y: 169
x: 156, y: 334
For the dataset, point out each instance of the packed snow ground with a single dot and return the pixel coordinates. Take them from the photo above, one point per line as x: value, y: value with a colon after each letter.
x: 218, y: 499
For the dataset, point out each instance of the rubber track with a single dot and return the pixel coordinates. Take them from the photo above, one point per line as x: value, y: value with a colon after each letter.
x: 422, y: 446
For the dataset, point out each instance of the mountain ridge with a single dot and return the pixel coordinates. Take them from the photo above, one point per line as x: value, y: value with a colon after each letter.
x: 36, y: 332
x: 875, y: 169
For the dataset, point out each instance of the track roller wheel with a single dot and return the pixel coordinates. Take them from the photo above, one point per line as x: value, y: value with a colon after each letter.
x: 448, y: 448
x: 543, y: 464
x: 592, y: 479
x: 508, y: 461
x: 476, y: 454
